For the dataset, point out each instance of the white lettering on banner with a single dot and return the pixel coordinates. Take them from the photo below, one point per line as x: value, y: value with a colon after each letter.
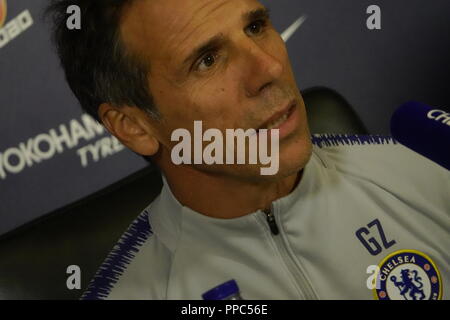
x: 28, y: 154
x: 44, y: 153
x: 63, y: 137
x: 439, y: 116
x: 9, y: 165
x: 2, y: 171
x: 78, y: 132
x: 102, y: 148
x: 46, y: 145
x: 92, y: 126
x: 15, y: 27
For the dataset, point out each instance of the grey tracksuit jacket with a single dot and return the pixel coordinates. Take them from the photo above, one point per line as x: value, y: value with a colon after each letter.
x: 367, y: 211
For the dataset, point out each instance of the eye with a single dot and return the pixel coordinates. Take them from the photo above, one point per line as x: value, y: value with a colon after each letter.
x: 256, y: 27
x: 207, y: 61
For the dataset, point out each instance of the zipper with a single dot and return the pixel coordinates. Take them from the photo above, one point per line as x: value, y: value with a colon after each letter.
x: 271, y: 221
x: 294, y: 268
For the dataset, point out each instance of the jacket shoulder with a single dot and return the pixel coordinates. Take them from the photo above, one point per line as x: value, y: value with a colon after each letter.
x: 136, y: 268
x: 385, y: 162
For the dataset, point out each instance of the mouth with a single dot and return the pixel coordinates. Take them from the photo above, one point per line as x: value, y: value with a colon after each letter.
x: 279, y: 118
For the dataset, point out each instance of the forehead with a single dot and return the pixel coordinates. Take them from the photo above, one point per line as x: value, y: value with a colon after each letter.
x: 163, y: 28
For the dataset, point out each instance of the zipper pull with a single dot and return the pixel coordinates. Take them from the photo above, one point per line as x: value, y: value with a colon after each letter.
x: 271, y: 221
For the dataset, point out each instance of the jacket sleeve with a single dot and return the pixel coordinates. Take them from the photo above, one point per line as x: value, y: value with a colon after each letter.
x: 136, y: 269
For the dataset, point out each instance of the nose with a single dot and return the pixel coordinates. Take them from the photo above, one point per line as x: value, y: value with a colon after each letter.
x: 262, y: 68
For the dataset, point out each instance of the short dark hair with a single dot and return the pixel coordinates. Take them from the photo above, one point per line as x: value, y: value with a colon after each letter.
x: 97, y: 65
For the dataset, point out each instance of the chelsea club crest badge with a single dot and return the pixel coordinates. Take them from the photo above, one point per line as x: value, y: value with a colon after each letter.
x: 408, y: 275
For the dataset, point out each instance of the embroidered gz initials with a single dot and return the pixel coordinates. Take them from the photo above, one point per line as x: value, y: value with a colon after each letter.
x: 371, y: 243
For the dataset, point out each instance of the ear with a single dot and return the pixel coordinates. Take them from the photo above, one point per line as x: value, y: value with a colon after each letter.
x: 129, y: 126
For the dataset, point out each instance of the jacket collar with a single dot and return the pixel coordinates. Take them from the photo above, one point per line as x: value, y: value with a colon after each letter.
x: 169, y: 218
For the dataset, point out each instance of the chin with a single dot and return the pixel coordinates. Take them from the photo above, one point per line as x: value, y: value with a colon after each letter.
x: 293, y: 158
x: 293, y: 166
x: 295, y: 155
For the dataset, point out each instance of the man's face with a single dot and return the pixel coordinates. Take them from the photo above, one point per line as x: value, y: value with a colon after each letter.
x: 221, y: 62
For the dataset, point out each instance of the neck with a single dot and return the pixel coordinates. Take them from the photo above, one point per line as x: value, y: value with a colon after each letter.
x: 223, y: 197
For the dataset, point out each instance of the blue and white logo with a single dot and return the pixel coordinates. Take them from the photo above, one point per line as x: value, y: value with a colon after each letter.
x: 408, y: 275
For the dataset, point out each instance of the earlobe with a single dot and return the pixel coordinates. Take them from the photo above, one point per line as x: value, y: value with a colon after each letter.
x: 152, y: 146
x: 124, y: 125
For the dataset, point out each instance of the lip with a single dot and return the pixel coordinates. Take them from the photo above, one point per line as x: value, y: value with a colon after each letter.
x: 278, y: 115
x: 289, y: 125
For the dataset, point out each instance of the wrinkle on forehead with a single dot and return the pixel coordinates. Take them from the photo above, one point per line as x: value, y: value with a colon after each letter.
x: 202, y: 18
x: 161, y: 29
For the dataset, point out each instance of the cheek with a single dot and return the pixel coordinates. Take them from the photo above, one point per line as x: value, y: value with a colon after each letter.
x: 277, y: 48
x: 210, y: 104
x: 214, y: 100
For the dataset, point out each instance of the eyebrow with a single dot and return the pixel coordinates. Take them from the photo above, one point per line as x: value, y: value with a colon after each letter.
x: 219, y: 40
x: 258, y: 14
